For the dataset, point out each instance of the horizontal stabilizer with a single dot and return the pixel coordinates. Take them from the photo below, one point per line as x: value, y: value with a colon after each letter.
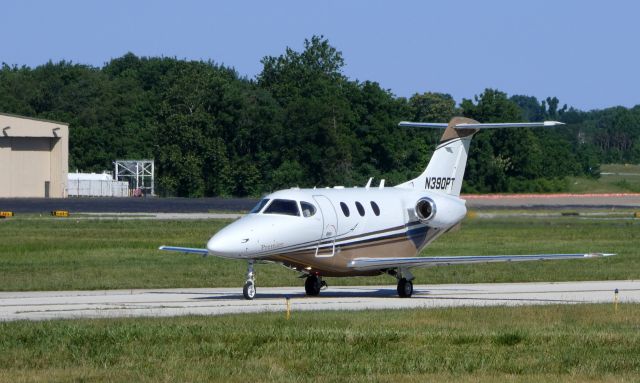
x: 392, y: 263
x: 449, y: 160
x: 190, y: 250
x: 436, y: 125
x: 481, y: 126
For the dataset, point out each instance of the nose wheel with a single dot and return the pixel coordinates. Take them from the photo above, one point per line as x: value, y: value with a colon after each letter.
x: 249, y: 289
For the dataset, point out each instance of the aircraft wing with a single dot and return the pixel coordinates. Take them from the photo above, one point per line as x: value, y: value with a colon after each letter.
x: 189, y: 250
x: 389, y: 263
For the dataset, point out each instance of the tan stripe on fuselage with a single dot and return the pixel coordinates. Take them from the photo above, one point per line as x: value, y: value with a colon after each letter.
x: 338, y: 264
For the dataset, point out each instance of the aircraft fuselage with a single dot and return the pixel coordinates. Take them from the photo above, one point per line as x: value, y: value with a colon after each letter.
x: 320, y: 231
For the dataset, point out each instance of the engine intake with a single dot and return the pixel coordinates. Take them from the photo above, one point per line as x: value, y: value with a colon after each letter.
x: 425, y: 209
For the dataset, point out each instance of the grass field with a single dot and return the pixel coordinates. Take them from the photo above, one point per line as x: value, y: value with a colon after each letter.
x: 614, y: 178
x: 581, y: 343
x: 61, y: 254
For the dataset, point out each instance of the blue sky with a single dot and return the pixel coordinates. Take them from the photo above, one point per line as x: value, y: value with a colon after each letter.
x: 584, y: 52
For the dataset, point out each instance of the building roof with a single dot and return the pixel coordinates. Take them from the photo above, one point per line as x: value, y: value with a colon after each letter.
x: 33, y: 118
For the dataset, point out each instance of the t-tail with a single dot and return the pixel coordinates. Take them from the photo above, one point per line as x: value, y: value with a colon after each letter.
x: 445, y: 171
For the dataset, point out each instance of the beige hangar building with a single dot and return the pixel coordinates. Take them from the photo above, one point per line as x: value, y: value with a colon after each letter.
x: 34, y: 157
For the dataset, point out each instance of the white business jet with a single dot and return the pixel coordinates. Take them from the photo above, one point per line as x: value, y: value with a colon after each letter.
x: 341, y: 232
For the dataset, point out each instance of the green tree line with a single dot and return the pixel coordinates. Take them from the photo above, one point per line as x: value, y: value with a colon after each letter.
x: 300, y: 122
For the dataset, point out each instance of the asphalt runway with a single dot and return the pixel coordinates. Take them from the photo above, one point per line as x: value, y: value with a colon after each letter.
x: 217, y: 301
x: 208, y: 205
x: 126, y: 205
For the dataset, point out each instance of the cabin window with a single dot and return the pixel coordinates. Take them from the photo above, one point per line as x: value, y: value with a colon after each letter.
x: 307, y: 209
x: 375, y: 208
x: 345, y: 209
x: 283, y: 206
x: 259, y: 206
x: 360, y: 209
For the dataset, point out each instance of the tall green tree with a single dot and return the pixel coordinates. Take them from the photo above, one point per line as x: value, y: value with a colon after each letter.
x: 310, y: 88
x: 301, y: 122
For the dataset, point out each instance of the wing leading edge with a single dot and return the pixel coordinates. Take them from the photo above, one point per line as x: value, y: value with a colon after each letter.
x: 388, y: 263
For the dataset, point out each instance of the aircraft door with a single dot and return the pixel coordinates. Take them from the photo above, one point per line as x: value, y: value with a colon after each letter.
x: 327, y: 245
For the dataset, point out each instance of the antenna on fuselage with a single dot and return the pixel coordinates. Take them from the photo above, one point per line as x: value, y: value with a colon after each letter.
x: 368, y: 183
x: 381, y: 184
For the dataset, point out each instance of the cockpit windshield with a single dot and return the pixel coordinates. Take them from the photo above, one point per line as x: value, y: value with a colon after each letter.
x: 307, y: 209
x: 283, y: 206
x: 259, y: 206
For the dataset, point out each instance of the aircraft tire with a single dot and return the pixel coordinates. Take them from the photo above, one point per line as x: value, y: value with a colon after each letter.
x: 405, y: 288
x: 249, y: 290
x: 312, y: 286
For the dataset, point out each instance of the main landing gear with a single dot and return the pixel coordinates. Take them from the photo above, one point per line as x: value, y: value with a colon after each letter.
x: 405, y: 286
x: 313, y: 285
x: 249, y: 289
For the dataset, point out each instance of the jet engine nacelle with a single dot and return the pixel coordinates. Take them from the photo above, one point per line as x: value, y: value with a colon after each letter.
x: 425, y: 209
x: 440, y: 211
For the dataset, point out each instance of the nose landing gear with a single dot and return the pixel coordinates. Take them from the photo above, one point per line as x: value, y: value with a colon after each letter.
x: 249, y: 289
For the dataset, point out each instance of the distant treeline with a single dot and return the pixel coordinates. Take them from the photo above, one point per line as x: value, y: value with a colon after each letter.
x: 300, y: 122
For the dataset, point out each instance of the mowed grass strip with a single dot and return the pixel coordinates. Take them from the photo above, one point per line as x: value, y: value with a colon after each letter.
x: 573, y: 343
x: 65, y: 254
x: 614, y: 178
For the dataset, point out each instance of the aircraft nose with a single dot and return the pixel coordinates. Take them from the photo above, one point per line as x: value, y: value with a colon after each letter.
x: 237, y: 240
x: 219, y: 246
x: 215, y: 246
x: 227, y: 246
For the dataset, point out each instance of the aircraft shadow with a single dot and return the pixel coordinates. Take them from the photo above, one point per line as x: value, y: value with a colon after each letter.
x: 368, y: 293
x: 363, y: 293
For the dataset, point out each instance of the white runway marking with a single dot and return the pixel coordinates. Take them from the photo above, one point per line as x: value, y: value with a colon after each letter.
x: 215, y: 301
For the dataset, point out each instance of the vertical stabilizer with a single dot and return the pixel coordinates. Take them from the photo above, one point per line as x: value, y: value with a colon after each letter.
x: 445, y: 171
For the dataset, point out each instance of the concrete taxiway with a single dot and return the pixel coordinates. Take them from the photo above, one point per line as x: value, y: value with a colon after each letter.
x: 216, y: 301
